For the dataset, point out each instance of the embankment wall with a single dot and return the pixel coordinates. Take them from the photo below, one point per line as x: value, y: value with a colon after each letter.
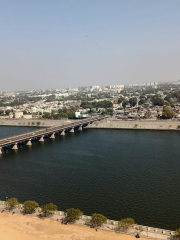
x: 107, y: 123
x: 138, y: 124
x: 32, y: 122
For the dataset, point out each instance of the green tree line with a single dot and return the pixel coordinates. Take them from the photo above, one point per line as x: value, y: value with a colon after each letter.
x: 71, y: 214
x: 99, y: 104
x: 61, y: 113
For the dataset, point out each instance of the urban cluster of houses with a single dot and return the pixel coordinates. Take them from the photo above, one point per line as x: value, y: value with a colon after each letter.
x: 143, y: 112
x: 51, y: 101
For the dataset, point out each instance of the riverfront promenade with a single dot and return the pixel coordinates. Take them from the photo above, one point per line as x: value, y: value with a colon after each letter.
x: 27, y: 138
x: 29, y: 227
x: 38, y: 227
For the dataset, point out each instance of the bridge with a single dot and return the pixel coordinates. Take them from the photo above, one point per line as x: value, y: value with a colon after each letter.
x: 39, y: 135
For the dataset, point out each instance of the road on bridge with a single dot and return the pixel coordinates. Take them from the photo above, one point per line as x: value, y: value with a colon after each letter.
x: 41, y: 133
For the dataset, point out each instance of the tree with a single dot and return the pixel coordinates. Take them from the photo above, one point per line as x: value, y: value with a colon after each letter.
x: 1, y: 112
x: 12, y: 203
x: 125, y: 102
x: 73, y: 214
x: 71, y: 114
x: 99, y: 104
x: 109, y: 111
x: 141, y: 101
x: 173, y: 105
x: 30, y: 206
x: 7, y: 112
x: 46, y: 115
x: 103, y: 112
x: 176, y: 94
x: 148, y: 114
x: 133, y: 101
x: 168, y: 112
x: 126, y: 222
x: 157, y: 100
x: 86, y: 104
x: 120, y: 99
x: 168, y: 98
x: 103, y: 104
x: 177, y: 233
x: 25, y: 112
x: 48, y: 209
x: 63, y: 115
x: 98, y: 219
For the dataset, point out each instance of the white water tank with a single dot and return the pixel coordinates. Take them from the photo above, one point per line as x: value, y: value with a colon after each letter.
x: 18, y: 114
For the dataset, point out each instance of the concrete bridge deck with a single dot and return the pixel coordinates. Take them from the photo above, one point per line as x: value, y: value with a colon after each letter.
x: 27, y: 138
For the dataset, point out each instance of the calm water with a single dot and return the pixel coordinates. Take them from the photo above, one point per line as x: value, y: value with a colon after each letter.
x: 7, y: 131
x: 119, y: 173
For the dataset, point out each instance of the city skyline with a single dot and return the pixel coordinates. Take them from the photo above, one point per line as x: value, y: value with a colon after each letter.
x: 145, y: 84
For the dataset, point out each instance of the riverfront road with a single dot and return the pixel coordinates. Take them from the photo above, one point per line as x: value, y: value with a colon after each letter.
x: 39, y: 135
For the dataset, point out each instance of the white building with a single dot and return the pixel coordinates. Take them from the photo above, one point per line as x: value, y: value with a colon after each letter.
x: 18, y: 114
x: 77, y: 114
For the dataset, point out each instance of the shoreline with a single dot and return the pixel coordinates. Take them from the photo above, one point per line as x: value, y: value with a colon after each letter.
x: 162, y: 125
x: 111, y: 226
x: 108, y: 123
x: 41, y: 123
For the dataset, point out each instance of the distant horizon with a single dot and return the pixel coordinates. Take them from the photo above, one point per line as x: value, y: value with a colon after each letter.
x: 54, y: 88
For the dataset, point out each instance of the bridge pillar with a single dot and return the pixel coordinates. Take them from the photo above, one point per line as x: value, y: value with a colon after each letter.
x: 41, y: 139
x: 0, y: 150
x: 15, y: 147
x: 80, y: 128
x: 52, y: 135
x: 63, y: 133
x: 29, y: 143
x: 72, y: 130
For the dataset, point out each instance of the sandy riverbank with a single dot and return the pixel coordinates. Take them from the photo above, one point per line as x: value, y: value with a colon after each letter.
x: 15, y: 227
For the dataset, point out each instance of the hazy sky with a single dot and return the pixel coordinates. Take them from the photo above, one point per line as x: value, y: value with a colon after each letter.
x: 62, y: 43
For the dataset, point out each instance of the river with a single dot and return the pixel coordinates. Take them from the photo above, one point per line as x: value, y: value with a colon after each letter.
x: 118, y: 173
